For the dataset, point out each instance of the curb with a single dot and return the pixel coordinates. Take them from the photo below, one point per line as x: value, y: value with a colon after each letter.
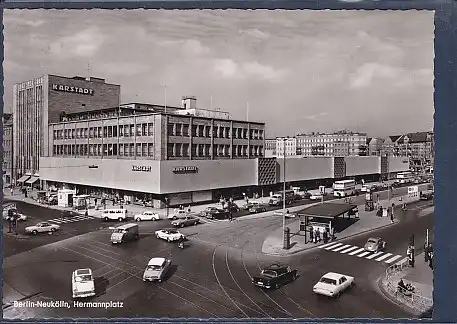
x: 394, y: 300
x: 338, y: 240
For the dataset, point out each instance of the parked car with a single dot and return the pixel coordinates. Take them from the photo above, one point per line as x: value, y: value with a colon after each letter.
x: 177, y: 214
x: 125, y: 233
x: 157, y: 269
x: 82, y: 283
x: 250, y: 204
x: 274, y: 276
x: 304, y: 194
x: 316, y: 196
x: 257, y: 209
x: 43, y: 227
x: 218, y: 214
x: 375, y: 244
x: 208, y: 210
x: 333, y: 284
x: 232, y: 207
x: 186, y: 221
x: 146, y: 216
x: 428, y: 195
x: 169, y: 234
x: 18, y: 215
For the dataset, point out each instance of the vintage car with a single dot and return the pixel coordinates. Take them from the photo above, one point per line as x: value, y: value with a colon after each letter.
x: 42, y: 227
x: 288, y: 214
x: 146, y: 216
x: 316, y: 196
x: 82, y: 283
x: 257, y: 209
x: 169, y: 234
x: 178, y: 214
x: 19, y: 216
x: 333, y: 284
x: 232, y: 207
x: 209, y: 210
x: 274, y: 276
x: 217, y: 214
x: 374, y: 244
x: 156, y: 269
x: 427, y: 195
x: 185, y: 221
x: 250, y: 204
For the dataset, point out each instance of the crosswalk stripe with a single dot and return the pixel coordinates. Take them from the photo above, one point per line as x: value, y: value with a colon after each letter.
x: 333, y: 246
x: 326, y: 245
x: 402, y: 260
x: 356, y: 251
x: 341, y: 248
x: 363, y: 254
x: 350, y: 249
x: 393, y: 259
x: 374, y: 255
x: 385, y: 256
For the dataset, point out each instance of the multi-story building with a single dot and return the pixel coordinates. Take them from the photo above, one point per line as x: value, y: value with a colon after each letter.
x: 183, y: 155
x: 375, y: 146
x: 270, y: 147
x: 341, y: 143
x: 50, y: 99
x: 7, y: 121
x: 286, y: 145
x: 419, y: 148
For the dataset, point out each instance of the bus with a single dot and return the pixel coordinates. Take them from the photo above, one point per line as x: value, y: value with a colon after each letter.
x: 276, y: 198
x: 344, y: 188
x: 405, y: 177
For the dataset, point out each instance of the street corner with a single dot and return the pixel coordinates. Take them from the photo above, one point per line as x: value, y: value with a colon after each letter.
x: 17, y: 236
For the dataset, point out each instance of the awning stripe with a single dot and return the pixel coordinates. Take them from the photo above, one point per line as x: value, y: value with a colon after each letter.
x: 23, y: 178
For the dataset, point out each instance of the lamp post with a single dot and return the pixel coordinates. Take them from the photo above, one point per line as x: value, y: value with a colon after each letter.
x: 284, y: 195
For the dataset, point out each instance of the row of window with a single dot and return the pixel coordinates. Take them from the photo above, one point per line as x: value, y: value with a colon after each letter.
x: 181, y: 129
x: 139, y: 149
x: 218, y: 150
x: 145, y: 129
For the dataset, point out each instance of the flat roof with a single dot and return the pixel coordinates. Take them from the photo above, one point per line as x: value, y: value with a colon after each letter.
x: 327, y: 210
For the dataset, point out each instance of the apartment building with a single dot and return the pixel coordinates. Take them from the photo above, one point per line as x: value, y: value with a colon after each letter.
x: 7, y: 121
x: 287, y: 146
x: 343, y: 143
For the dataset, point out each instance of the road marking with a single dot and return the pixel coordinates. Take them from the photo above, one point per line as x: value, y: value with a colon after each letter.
x: 333, y: 246
x: 374, y: 255
x: 393, y: 259
x: 385, y: 256
x: 350, y: 249
x: 326, y: 245
x: 363, y: 254
x: 401, y: 261
x: 341, y: 248
x: 356, y: 251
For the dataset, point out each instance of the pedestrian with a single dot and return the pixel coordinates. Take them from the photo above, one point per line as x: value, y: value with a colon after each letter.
x: 11, y: 190
x: 325, y: 237
x: 392, y: 216
x: 95, y: 202
x: 318, y: 235
x: 311, y: 236
x: 315, y: 236
x: 230, y: 216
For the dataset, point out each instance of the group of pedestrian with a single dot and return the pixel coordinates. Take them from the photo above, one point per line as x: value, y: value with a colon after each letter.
x: 181, y: 207
x: 316, y: 236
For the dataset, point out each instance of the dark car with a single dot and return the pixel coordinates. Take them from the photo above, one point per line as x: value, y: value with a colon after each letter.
x: 274, y: 276
x: 218, y: 214
x: 426, y: 196
x: 232, y: 207
x: 209, y: 210
x: 257, y: 209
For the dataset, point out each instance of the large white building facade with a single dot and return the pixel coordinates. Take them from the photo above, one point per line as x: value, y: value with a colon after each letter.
x: 341, y: 143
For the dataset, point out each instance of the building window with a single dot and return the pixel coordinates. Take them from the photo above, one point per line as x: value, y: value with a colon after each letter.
x: 215, y: 131
x: 121, y: 149
x: 178, y: 148
x: 73, y: 133
x: 215, y: 150
x: 138, y: 149
x: 178, y: 131
x: 207, y: 150
x: 105, y: 132
x: 221, y: 132
x: 132, y: 130
x: 185, y: 150
x: 144, y: 149
x: 99, y: 131
x: 201, y: 150
x: 105, y: 150
x: 138, y: 130
x: 170, y: 147
x: 132, y: 149
x: 195, y: 129
x: 150, y: 149
x: 110, y: 131
x: 185, y: 130
x: 54, y: 150
x: 171, y: 129
x: 144, y: 129
x: 114, y: 131
x: 121, y: 130
x: 193, y: 149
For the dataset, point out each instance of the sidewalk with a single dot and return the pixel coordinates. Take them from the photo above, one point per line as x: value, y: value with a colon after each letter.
x: 367, y: 221
x: 421, y: 277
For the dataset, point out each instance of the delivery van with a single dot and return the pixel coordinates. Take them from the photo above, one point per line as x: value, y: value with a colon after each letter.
x: 114, y: 214
x: 125, y: 233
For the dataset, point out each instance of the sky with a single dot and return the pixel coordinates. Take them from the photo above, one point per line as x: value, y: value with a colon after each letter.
x: 297, y: 71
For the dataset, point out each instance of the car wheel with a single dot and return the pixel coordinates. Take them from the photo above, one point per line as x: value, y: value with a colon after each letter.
x: 175, y: 218
x: 120, y: 219
x: 276, y: 286
x: 159, y: 280
x: 338, y: 295
x: 105, y: 219
x: 34, y: 232
x: 157, y: 235
x: 137, y: 237
x: 182, y: 225
x: 195, y: 223
x: 138, y: 219
x: 168, y: 239
x: 53, y: 229
x: 294, y: 277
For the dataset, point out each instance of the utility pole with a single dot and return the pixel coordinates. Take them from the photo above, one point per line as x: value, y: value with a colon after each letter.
x: 284, y: 192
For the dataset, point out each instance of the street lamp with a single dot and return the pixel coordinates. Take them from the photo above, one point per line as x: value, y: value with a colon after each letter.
x: 284, y: 195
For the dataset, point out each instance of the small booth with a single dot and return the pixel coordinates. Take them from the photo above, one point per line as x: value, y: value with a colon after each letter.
x: 81, y: 202
x: 323, y: 218
x: 33, y: 181
x: 65, y: 197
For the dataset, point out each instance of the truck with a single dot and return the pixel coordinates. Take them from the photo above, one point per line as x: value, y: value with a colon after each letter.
x: 277, y: 198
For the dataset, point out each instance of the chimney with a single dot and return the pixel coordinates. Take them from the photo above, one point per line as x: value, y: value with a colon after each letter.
x: 189, y: 102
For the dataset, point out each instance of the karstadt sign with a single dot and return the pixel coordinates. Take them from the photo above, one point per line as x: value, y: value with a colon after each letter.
x: 72, y: 89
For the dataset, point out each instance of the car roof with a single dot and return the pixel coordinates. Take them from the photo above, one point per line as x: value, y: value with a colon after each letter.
x: 374, y: 238
x: 169, y: 229
x: 275, y: 266
x: 156, y: 261
x: 127, y: 226
x: 82, y: 272
x: 333, y: 275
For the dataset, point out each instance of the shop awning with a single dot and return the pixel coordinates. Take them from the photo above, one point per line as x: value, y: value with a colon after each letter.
x: 32, y: 180
x: 24, y: 178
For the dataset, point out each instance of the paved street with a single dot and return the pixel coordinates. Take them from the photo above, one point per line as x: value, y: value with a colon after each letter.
x: 210, y: 277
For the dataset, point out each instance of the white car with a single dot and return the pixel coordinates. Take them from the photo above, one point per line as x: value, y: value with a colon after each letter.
x: 316, y: 196
x: 42, y: 227
x: 82, y: 283
x: 332, y: 284
x: 20, y: 217
x: 177, y: 214
x: 157, y: 269
x: 147, y: 216
x: 169, y: 234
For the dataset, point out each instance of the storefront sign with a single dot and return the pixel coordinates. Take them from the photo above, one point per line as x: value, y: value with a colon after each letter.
x: 185, y: 169
x: 72, y: 89
x: 141, y: 168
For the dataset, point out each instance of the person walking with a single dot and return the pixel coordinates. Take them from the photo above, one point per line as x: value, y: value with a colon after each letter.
x: 230, y: 216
